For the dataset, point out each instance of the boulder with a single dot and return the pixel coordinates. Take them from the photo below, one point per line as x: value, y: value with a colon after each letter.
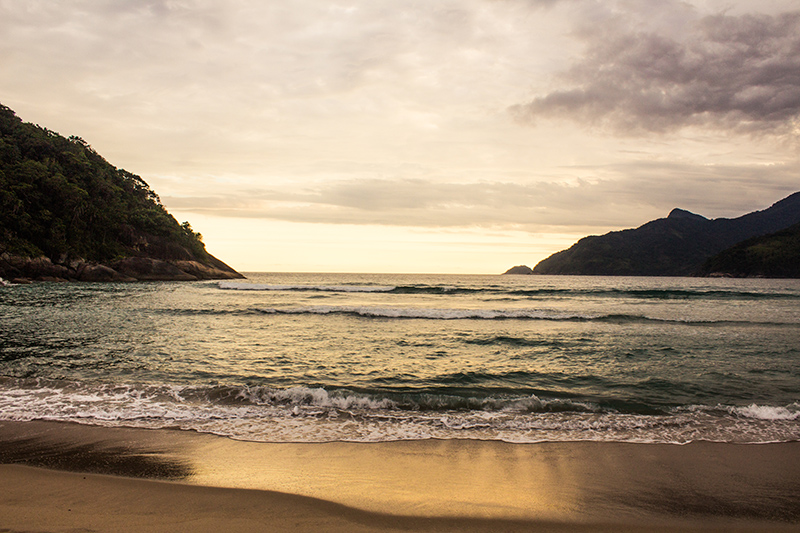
x: 13, y: 266
x: 95, y: 272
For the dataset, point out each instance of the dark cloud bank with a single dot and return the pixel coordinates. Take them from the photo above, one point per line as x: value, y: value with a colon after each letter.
x: 731, y: 72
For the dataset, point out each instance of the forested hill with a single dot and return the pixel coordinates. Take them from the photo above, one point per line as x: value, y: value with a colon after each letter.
x: 66, y: 213
x: 677, y: 245
x: 776, y: 255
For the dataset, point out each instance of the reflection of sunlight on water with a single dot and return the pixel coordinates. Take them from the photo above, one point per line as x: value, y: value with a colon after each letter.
x: 430, y: 478
x: 560, y: 482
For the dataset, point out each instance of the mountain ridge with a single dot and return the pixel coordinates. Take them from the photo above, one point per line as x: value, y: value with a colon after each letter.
x: 677, y: 245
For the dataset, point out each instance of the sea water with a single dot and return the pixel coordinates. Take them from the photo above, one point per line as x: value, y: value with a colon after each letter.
x: 372, y: 358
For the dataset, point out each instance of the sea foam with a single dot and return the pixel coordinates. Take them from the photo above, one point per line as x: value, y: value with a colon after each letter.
x: 315, y: 414
x: 764, y: 412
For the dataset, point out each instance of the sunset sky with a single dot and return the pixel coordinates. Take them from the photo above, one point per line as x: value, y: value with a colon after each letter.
x: 462, y: 136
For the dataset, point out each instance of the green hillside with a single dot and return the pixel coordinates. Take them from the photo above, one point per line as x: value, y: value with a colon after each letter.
x: 61, y: 200
x: 772, y: 256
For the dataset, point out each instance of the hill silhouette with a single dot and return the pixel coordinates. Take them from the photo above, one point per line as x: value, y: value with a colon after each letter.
x: 677, y: 245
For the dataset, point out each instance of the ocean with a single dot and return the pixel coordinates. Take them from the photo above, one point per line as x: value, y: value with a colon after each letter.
x: 377, y: 357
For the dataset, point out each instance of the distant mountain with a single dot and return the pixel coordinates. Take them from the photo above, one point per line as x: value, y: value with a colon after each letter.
x: 677, y: 245
x: 776, y: 255
x: 67, y: 214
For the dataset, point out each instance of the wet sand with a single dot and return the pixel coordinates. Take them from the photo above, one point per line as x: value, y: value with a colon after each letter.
x: 79, y: 477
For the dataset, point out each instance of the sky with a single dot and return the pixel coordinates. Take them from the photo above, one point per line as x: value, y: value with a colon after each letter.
x: 432, y: 136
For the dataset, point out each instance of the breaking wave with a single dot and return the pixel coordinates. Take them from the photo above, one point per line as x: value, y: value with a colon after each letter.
x: 315, y: 414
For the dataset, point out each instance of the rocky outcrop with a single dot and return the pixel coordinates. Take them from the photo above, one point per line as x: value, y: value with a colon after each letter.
x: 201, y: 271
x: 95, y: 272
x: 147, y: 269
x: 21, y: 269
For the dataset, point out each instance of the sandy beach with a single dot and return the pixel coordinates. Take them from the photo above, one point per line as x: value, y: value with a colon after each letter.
x: 67, y: 477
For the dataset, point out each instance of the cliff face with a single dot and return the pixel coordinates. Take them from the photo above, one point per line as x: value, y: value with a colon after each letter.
x: 674, y: 246
x: 67, y: 214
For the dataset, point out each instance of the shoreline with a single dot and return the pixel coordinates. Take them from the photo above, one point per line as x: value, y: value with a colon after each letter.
x: 406, y: 485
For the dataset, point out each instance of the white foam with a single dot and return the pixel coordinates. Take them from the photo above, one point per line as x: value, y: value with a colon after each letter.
x: 764, y: 412
x: 305, y: 414
x: 317, y: 397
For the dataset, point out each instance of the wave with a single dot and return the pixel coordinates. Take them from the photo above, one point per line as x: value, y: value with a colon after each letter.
x: 658, y: 294
x: 316, y: 414
x: 766, y: 412
x: 424, y: 313
x: 376, y: 312
x: 245, y: 286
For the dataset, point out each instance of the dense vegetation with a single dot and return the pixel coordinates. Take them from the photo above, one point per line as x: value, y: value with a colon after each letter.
x: 772, y: 256
x: 61, y: 199
x: 674, y: 246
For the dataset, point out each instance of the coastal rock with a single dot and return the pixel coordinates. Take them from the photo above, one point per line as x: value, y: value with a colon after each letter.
x: 95, y: 272
x: 32, y: 268
x: 522, y: 270
x: 201, y: 271
x: 124, y: 270
x: 147, y: 269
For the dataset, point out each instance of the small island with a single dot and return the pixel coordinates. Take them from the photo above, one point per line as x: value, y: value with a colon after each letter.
x: 519, y: 270
x: 67, y: 214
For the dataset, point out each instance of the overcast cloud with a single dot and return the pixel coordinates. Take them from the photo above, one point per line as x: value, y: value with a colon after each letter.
x: 535, y: 116
x: 738, y: 73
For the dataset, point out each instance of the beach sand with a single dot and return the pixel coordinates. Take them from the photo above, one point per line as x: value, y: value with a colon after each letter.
x: 68, y: 477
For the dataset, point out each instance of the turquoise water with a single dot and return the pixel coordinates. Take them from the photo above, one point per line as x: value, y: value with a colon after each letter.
x: 323, y: 357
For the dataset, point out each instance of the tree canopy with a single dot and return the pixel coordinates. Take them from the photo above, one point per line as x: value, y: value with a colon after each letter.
x: 61, y: 199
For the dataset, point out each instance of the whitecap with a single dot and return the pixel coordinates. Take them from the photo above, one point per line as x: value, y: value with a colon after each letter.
x: 767, y: 412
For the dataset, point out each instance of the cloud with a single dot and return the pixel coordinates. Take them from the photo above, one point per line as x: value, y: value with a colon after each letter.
x: 739, y: 73
x: 391, y: 112
x: 408, y: 202
x: 627, y: 195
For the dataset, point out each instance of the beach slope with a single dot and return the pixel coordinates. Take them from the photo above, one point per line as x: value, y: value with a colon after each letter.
x: 101, y: 479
